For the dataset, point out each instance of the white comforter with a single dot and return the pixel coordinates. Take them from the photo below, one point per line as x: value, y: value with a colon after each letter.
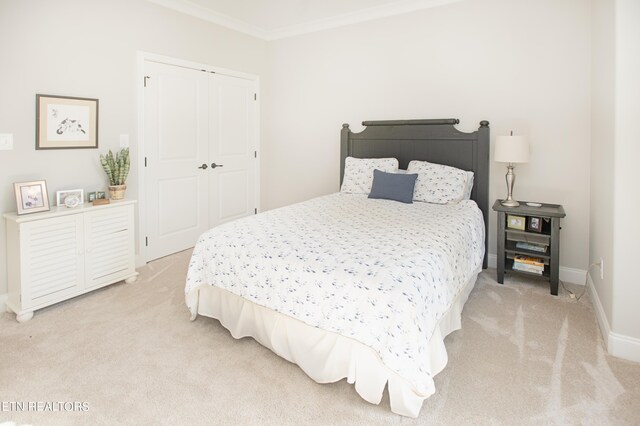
x: 377, y: 271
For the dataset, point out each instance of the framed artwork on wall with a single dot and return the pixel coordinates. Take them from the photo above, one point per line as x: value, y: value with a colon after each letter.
x: 64, y: 122
x: 31, y: 197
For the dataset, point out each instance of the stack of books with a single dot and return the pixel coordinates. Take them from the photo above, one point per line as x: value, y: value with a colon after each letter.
x: 523, y: 245
x: 533, y: 265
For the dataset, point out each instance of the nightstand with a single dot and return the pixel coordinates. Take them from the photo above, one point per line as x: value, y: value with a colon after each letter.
x: 533, y: 232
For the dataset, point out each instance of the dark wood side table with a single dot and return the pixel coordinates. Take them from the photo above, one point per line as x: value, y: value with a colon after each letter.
x: 549, y: 216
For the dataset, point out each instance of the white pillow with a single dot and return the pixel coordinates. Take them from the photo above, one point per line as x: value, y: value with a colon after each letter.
x: 469, y: 188
x: 438, y: 183
x: 358, y: 173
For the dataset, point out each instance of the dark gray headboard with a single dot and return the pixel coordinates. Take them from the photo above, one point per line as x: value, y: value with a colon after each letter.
x: 436, y: 141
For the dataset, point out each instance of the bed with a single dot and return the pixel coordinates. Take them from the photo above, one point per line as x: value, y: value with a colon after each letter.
x: 350, y: 287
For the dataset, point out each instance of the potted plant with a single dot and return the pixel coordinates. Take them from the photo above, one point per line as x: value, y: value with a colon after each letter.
x: 117, y: 170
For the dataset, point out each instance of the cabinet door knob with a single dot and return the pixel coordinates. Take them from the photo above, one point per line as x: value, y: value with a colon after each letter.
x: 214, y: 165
x: 203, y: 167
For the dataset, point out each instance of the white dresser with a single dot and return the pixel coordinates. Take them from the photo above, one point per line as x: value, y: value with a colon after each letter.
x: 56, y: 255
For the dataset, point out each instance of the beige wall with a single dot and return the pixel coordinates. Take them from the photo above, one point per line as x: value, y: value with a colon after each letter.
x: 615, y: 201
x: 87, y: 48
x: 602, y: 142
x: 626, y: 290
x: 521, y: 65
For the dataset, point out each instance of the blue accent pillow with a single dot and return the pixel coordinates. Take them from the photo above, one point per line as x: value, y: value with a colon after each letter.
x: 393, y: 186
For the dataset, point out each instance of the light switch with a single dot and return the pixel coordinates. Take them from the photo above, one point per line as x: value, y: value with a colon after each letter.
x: 6, y: 141
x: 124, y: 141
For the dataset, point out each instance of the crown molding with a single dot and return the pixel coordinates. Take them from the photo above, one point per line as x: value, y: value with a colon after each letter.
x: 363, y: 15
x: 189, y: 8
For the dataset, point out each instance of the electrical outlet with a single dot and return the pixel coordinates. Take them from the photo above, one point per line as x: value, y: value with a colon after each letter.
x: 601, y: 269
x: 6, y: 141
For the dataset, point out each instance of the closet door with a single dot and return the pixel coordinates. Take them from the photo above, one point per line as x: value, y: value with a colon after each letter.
x: 177, y: 153
x: 233, y: 136
x: 200, y: 138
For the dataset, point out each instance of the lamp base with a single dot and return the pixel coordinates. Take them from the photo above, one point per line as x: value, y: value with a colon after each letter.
x: 510, y: 203
x: 510, y: 177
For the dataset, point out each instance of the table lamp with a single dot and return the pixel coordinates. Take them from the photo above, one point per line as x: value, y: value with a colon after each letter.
x: 511, y: 149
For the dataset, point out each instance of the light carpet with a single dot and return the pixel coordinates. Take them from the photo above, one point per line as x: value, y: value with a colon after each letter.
x: 131, y: 354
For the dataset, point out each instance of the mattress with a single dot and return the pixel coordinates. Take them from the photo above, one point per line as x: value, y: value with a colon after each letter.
x: 380, y: 273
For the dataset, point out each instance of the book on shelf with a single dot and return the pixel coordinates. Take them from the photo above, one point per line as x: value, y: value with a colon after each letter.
x: 528, y: 260
x: 523, y: 245
x: 527, y: 268
x: 530, y: 264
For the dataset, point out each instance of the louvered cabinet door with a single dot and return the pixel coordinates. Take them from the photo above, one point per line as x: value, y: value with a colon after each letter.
x: 110, y: 246
x: 52, y: 260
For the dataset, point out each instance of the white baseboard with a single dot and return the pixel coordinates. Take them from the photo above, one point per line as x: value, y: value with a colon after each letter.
x: 603, y: 322
x: 3, y: 302
x: 568, y: 275
x: 573, y: 275
x: 618, y: 345
x: 622, y: 346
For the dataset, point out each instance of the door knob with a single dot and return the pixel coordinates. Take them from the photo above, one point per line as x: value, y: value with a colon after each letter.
x: 203, y: 167
x: 214, y: 165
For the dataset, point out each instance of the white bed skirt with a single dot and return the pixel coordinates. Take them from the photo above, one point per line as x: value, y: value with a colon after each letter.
x: 325, y: 356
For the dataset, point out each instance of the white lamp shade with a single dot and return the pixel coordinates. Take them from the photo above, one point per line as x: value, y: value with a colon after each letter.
x: 511, y: 149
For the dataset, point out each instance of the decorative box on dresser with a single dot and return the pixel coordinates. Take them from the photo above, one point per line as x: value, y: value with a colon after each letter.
x: 59, y: 254
x: 548, y: 235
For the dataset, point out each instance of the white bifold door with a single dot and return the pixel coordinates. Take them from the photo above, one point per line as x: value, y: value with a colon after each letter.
x: 200, y: 151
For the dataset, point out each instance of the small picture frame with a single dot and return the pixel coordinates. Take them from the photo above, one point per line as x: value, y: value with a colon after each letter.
x: 61, y: 196
x: 535, y: 224
x: 65, y: 122
x: 516, y: 222
x: 101, y: 195
x: 32, y: 196
x: 91, y: 196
